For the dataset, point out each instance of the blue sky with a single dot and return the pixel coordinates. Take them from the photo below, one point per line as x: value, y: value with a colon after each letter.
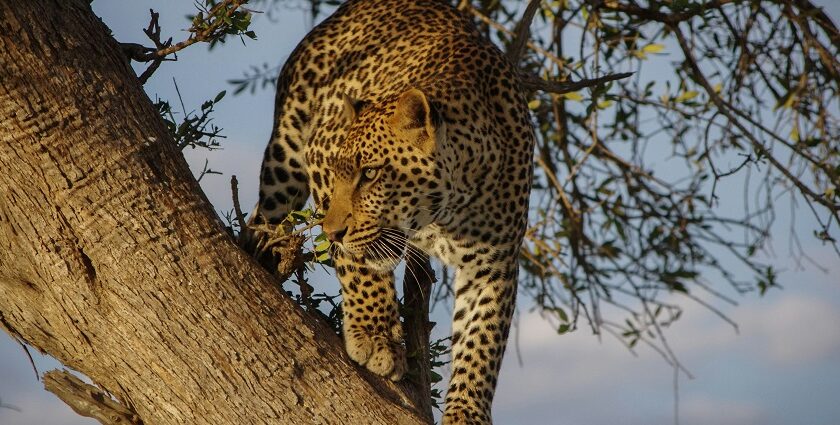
x: 782, y: 368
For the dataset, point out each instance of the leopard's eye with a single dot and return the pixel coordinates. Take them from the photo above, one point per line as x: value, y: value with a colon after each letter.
x: 369, y: 174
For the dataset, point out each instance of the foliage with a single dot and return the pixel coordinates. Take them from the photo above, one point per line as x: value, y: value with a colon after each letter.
x: 215, y: 21
x: 194, y: 130
x: 629, y: 211
x: 256, y: 78
x: 438, y: 357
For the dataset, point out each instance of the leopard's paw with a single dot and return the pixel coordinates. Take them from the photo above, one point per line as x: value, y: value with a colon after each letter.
x: 359, y: 346
x: 378, y: 354
x: 388, y: 359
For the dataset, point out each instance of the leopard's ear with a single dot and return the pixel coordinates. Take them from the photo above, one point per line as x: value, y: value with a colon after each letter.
x: 418, y: 121
x: 352, y: 107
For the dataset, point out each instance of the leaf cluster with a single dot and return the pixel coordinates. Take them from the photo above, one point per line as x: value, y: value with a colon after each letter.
x: 629, y: 215
x: 194, y: 129
x: 216, y: 20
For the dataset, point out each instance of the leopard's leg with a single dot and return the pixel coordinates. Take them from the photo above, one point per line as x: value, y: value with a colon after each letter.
x: 372, y: 329
x: 485, y: 295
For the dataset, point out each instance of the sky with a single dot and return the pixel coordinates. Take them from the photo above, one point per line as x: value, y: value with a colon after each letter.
x: 782, y: 367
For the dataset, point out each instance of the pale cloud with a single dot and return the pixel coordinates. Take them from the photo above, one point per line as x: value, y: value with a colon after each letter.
x: 705, y: 411
x: 575, y: 378
x: 575, y: 366
x: 793, y: 330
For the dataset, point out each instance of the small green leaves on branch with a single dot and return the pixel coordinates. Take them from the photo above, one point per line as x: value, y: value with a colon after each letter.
x: 195, y: 130
x: 257, y: 77
x: 212, y: 24
x: 215, y: 21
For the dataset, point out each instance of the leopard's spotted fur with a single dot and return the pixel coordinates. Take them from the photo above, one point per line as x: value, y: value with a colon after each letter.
x: 409, y: 130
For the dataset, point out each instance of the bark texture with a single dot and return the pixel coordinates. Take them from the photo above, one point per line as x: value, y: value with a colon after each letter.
x: 113, y: 261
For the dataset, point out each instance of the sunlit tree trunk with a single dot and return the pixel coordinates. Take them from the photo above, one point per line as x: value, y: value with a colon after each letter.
x: 113, y: 261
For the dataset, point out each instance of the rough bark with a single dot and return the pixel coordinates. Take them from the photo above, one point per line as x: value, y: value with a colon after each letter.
x: 113, y: 261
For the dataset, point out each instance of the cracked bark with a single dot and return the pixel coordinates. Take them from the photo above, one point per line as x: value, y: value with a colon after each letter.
x: 113, y: 261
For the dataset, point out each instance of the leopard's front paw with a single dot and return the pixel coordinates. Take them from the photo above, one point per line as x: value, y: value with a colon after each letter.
x: 388, y: 359
x: 379, y: 354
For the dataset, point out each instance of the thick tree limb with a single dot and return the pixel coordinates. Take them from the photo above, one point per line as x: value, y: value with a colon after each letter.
x: 113, y: 261
x: 88, y: 400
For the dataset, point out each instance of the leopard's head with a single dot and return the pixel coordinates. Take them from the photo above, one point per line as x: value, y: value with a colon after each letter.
x: 387, y: 180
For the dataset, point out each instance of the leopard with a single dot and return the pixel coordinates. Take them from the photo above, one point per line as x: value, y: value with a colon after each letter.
x: 409, y: 129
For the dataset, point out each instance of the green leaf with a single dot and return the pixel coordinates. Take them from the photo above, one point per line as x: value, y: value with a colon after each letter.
x: 812, y: 141
x: 687, y: 95
x: 605, y: 104
x: 322, y: 246
x: 576, y: 96
x: 561, y: 314
x: 653, y: 48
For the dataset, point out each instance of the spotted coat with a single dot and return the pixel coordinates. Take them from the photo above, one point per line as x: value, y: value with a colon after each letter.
x: 409, y: 129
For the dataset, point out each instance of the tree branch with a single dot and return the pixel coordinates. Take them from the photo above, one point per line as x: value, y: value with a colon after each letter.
x: 113, y: 261
x: 206, y: 34
x: 532, y: 82
x: 417, y: 287
x: 727, y: 110
x: 523, y: 33
x: 823, y: 20
x: 497, y: 26
x: 87, y: 400
x: 163, y: 49
x: 655, y: 15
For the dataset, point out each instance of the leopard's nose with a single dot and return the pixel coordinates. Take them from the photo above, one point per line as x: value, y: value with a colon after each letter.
x: 337, y: 235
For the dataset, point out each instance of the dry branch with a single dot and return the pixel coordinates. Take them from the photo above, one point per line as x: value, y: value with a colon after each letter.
x: 523, y: 32
x: 652, y: 14
x: 532, y: 82
x: 87, y: 400
x: 417, y: 288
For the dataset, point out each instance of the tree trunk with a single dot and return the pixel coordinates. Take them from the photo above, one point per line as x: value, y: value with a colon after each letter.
x: 113, y: 261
